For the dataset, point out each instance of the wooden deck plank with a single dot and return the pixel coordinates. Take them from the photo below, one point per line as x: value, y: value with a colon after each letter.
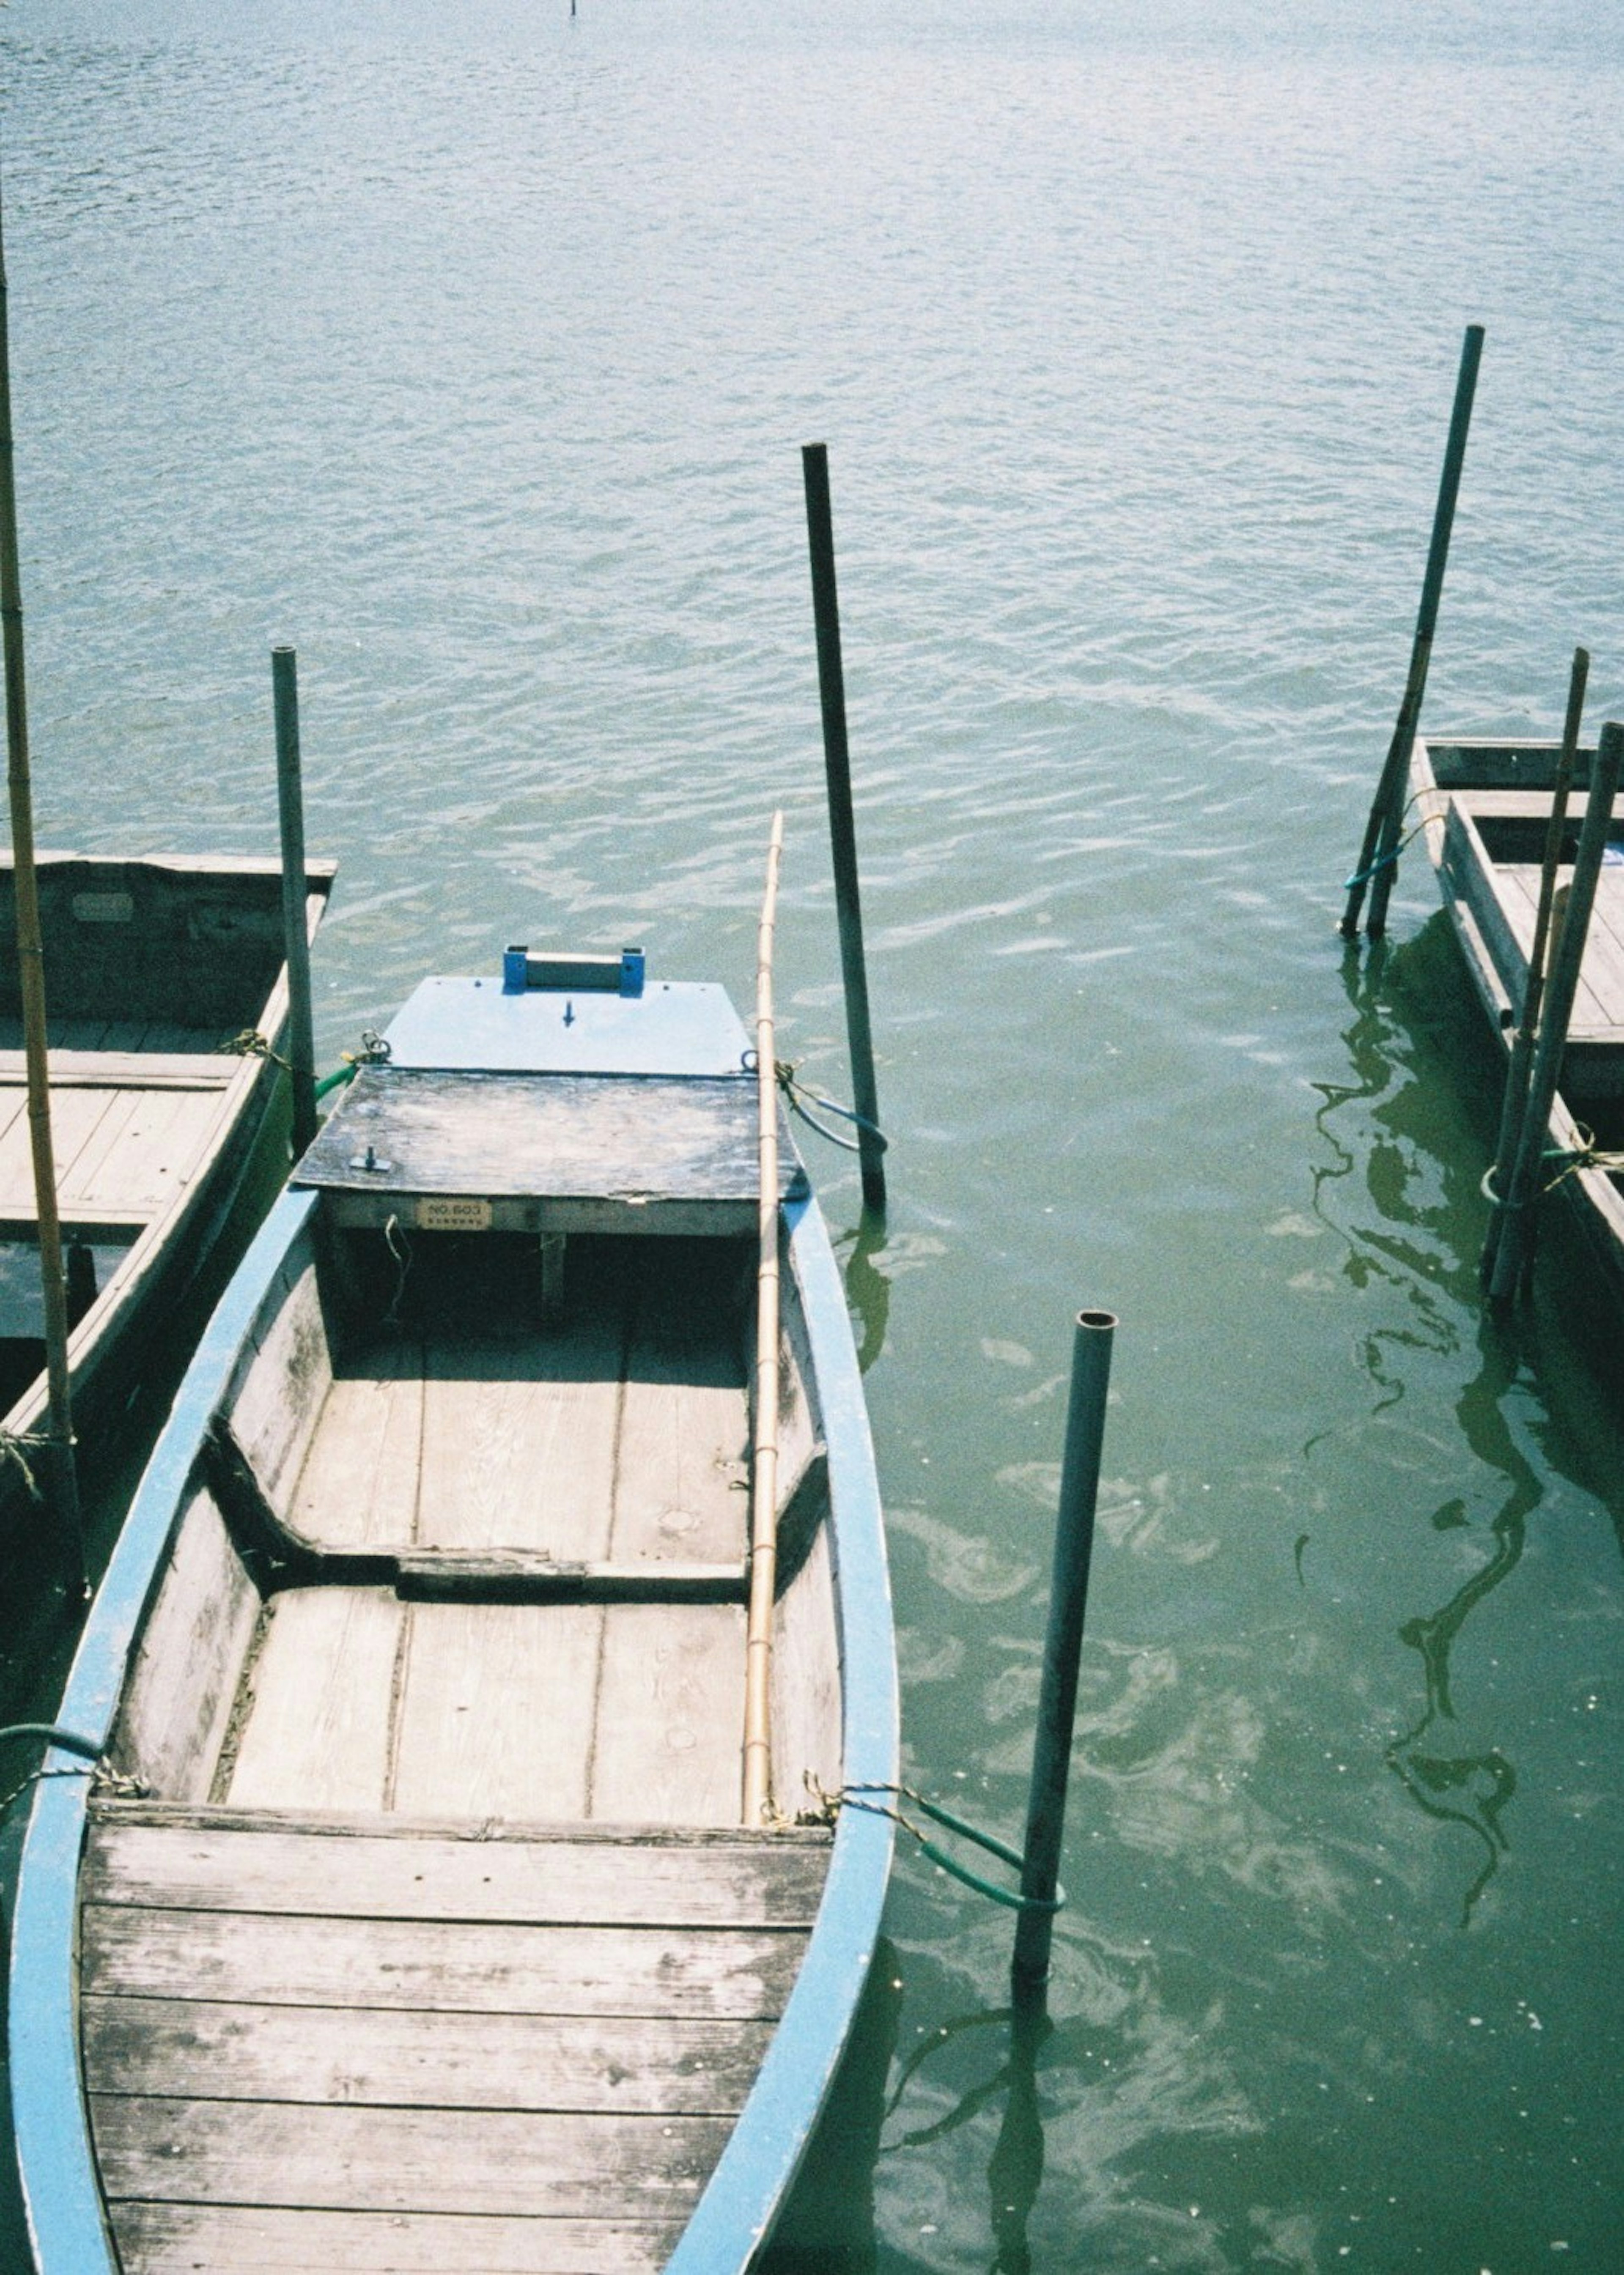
x: 75, y: 1115
x: 79, y: 1183
x: 383, y: 2058
x: 159, y: 1150
x: 681, y: 1486
x: 507, y: 1967
x: 402, y: 2160
x: 1598, y: 1001
x: 358, y: 1487
x: 318, y: 1730
x: 496, y: 1705
x: 670, y: 1715
x: 518, y: 1441
x: 156, y: 2238
x: 642, y: 1879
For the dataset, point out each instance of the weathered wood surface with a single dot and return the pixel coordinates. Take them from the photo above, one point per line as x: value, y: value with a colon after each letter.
x: 410, y: 2052
x: 495, y: 1967
x: 185, y: 1678
x: 221, y: 2050
x: 360, y: 1700
x: 619, y: 1435
x: 560, y: 1135
x: 193, y: 945
x: 322, y: 2157
x: 158, y: 2239
x: 637, y: 1876
x: 1503, y: 898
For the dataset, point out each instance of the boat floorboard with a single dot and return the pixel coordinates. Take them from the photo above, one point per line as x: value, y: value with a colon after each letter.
x: 400, y: 2048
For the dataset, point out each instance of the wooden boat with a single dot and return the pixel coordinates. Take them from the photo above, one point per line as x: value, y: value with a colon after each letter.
x: 411, y: 1923
x: 152, y: 967
x: 1486, y: 810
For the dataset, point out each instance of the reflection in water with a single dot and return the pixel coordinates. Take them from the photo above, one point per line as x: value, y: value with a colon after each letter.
x: 1471, y: 1789
x: 868, y: 1289
x: 1015, y: 2172
x: 1432, y: 1274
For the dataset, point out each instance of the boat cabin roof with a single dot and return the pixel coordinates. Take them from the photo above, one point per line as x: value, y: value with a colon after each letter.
x: 552, y: 1109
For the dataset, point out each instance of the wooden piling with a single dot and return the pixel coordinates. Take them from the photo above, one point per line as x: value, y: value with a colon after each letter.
x: 60, y: 1463
x: 1074, y: 1545
x: 1519, y: 1064
x: 1379, y: 853
x: 295, y: 924
x: 842, y: 828
x: 1516, y: 1241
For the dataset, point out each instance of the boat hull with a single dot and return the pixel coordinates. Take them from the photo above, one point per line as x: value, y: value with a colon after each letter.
x: 478, y: 1947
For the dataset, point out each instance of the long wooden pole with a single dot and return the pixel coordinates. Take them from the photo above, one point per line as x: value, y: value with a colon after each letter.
x: 64, y: 1480
x: 842, y: 826
x: 1519, y: 1065
x: 295, y: 921
x: 1379, y: 850
x: 764, y: 1465
x: 1516, y: 1243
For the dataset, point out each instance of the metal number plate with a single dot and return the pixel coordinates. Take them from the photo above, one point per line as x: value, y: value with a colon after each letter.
x: 437, y: 1213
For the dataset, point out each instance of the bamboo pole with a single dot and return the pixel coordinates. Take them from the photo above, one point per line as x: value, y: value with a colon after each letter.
x: 1516, y: 1243
x: 842, y: 826
x: 1513, y: 1105
x: 764, y: 1464
x: 64, y: 1480
x: 1379, y: 850
x: 294, y: 921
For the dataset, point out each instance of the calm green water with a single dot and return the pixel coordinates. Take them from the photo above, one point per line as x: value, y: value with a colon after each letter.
x: 471, y: 351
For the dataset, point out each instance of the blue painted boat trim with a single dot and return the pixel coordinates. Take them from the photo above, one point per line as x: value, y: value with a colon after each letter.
x: 62, y: 2196
x: 753, y: 2177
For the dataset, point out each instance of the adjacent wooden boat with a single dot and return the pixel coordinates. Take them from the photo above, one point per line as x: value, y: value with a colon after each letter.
x: 151, y: 967
x: 409, y: 1922
x: 1486, y: 808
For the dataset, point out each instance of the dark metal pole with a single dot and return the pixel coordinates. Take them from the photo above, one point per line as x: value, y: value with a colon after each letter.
x: 290, y: 800
x: 1379, y: 850
x: 1074, y: 1544
x: 31, y: 970
x: 1516, y: 1243
x: 1513, y: 1105
x: 842, y: 830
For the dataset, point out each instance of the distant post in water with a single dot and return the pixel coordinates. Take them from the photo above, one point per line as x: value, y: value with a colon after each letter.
x: 63, y: 1473
x: 1379, y: 852
x: 842, y: 829
x: 1074, y: 1546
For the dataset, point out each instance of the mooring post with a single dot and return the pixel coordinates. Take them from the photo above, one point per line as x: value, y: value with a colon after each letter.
x: 1521, y: 1058
x: 1516, y: 1243
x: 60, y: 1463
x: 842, y: 829
x: 1074, y: 1545
x: 1379, y: 853
x: 295, y: 925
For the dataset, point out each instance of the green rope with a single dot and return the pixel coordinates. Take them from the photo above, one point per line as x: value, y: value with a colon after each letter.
x: 1012, y: 1899
x: 794, y: 1092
